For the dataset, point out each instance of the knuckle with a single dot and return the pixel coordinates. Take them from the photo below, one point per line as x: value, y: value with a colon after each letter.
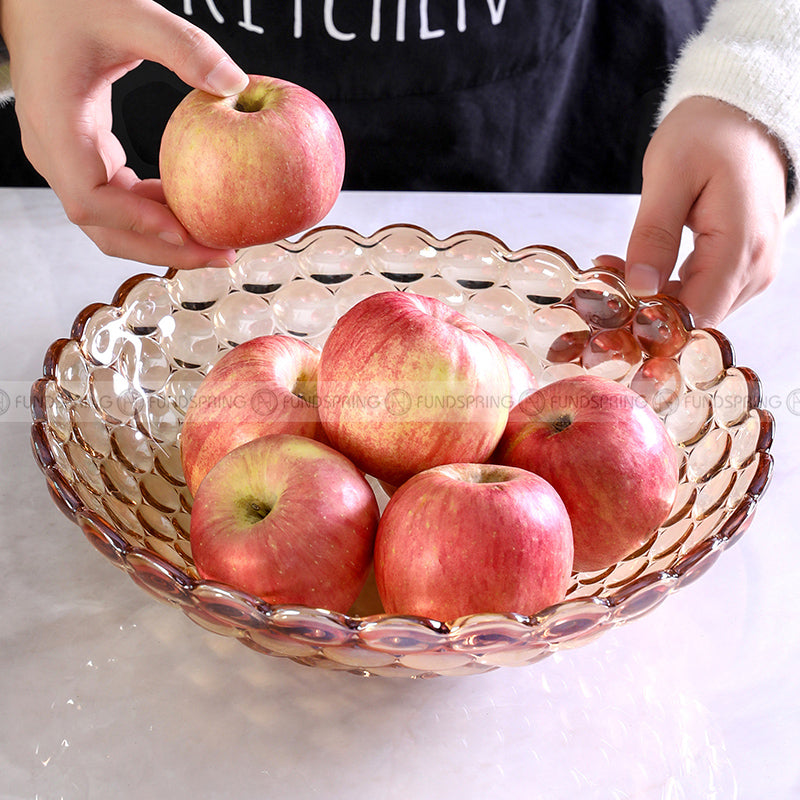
x: 189, y: 41
x: 103, y: 241
x: 656, y: 237
x: 762, y: 240
x: 142, y: 218
x: 759, y: 247
x: 763, y: 260
x: 131, y: 218
x: 78, y: 211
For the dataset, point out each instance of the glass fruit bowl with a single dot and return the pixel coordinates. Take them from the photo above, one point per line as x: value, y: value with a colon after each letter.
x: 107, y: 420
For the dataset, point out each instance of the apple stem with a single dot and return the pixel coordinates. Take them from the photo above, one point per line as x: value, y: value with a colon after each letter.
x: 562, y: 422
x: 306, y: 389
x: 254, y: 510
x: 256, y: 98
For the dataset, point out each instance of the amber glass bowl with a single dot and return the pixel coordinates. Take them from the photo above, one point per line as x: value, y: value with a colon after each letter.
x: 107, y: 421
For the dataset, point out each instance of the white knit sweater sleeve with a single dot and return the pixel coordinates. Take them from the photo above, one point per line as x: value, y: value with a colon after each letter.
x: 748, y: 55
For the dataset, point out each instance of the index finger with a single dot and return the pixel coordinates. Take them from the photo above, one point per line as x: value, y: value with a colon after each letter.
x: 161, y: 36
x: 655, y: 239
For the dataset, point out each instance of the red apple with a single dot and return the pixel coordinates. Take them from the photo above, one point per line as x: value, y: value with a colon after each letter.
x: 521, y: 378
x: 407, y: 383
x: 287, y: 519
x: 608, y: 456
x: 266, y: 385
x: 470, y: 538
x: 252, y: 168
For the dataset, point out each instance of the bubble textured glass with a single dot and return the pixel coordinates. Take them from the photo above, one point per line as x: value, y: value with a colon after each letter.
x: 107, y: 417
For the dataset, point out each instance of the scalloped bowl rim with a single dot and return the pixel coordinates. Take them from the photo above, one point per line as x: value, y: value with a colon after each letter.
x: 116, y: 548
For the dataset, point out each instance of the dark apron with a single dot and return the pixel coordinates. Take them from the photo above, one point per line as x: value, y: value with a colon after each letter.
x: 501, y: 95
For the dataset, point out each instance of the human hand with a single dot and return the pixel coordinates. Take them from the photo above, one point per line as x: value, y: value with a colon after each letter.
x: 64, y: 58
x: 711, y: 168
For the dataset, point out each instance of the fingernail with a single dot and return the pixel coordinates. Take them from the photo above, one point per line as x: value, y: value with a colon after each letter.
x: 226, y: 78
x: 643, y: 280
x: 170, y: 237
x: 219, y: 263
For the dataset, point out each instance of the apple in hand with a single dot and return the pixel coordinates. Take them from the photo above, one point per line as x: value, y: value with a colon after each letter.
x: 471, y: 538
x: 606, y: 453
x: 266, y: 385
x: 251, y: 168
x: 287, y: 519
x: 406, y: 383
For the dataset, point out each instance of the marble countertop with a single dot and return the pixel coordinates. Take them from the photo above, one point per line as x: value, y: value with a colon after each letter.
x: 108, y: 693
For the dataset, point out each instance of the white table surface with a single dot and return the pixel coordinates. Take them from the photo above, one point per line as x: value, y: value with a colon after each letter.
x: 107, y: 693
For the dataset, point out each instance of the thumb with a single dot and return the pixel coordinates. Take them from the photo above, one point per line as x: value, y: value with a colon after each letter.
x: 189, y: 52
x: 655, y: 239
